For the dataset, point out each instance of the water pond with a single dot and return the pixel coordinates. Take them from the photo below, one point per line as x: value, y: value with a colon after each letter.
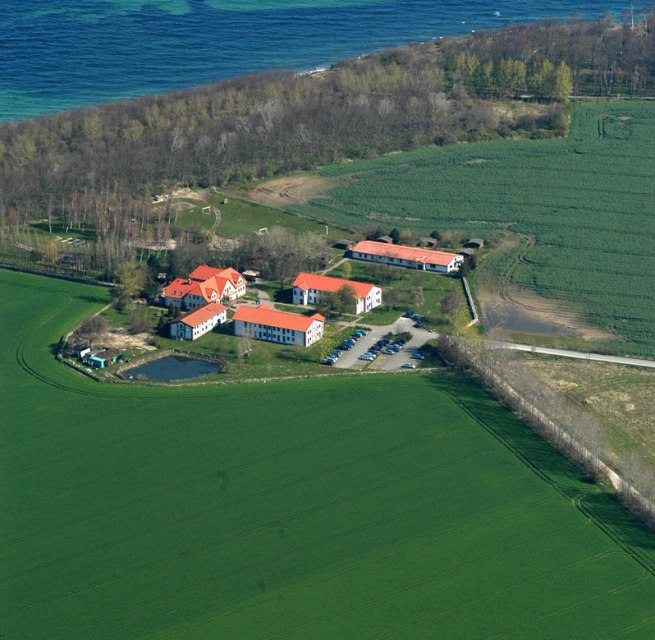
x: 171, y: 368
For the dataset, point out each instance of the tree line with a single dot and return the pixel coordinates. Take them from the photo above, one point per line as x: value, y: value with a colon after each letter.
x: 98, y: 168
x: 572, y: 430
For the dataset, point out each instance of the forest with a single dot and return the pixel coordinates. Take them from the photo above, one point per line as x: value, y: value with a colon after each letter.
x: 97, y: 169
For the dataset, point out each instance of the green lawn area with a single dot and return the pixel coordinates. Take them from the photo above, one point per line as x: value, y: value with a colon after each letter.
x: 266, y: 359
x: 406, y: 282
x: 586, y: 200
x: 240, y: 217
x: 382, y: 506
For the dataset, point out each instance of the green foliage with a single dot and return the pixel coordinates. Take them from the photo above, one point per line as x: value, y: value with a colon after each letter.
x: 587, y: 200
x: 303, y: 508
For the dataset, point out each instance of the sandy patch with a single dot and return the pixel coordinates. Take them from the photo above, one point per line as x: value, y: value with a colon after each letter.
x: 290, y: 190
x: 506, y: 307
x: 194, y: 194
x: 121, y: 339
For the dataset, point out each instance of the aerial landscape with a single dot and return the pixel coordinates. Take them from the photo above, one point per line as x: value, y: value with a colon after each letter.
x: 346, y: 332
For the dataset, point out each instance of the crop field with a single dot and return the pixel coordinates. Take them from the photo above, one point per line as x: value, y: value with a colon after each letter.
x: 587, y: 200
x: 399, y: 506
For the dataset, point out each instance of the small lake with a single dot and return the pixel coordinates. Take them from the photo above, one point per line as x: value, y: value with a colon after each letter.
x: 171, y: 368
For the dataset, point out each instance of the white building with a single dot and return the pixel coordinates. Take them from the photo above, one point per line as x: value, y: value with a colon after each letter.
x: 403, y: 256
x: 265, y: 323
x: 196, y: 323
x: 309, y: 288
x: 205, y: 284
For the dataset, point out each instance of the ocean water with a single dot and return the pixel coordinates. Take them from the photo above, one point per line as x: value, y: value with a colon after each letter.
x: 61, y: 54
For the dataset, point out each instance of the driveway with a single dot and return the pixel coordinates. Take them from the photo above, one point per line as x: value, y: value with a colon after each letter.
x: 350, y: 359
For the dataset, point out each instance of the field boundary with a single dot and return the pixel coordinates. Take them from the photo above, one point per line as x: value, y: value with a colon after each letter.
x: 619, y: 484
x: 54, y: 274
x: 562, y: 441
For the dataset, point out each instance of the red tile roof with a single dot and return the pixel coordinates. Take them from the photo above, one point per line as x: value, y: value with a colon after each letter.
x: 204, y: 273
x: 402, y: 252
x: 271, y: 318
x: 179, y: 288
x: 306, y: 281
x: 194, y: 318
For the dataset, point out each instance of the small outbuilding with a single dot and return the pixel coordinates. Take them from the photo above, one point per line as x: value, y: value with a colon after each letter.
x: 385, y: 239
x: 251, y: 275
x: 344, y: 244
x: 475, y: 243
x: 104, y: 358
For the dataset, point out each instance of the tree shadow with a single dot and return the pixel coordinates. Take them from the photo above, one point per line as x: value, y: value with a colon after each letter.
x: 599, y: 503
x: 285, y: 296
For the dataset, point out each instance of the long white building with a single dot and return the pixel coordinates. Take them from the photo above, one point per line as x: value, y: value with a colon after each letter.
x: 265, y: 323
x: 309, y: 288
x: 403, y: 256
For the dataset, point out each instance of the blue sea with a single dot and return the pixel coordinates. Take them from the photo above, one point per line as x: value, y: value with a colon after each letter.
x: 60, y: 54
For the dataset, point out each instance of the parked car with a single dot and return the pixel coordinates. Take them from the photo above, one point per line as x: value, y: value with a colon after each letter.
x: 417, y: 355
x: 408, y: 365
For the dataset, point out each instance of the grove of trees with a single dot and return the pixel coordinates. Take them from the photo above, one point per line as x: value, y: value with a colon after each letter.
x: 95, y: 170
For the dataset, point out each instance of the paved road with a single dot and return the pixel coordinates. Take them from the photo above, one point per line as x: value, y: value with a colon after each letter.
x: 350, y: 359
x: 563, y: 353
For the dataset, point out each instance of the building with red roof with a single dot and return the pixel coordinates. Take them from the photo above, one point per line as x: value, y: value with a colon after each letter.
x: 309, y: 288
x: 198, y: 322
x: 204, y: 284
x: 265, y: 323
x: 403, y: 256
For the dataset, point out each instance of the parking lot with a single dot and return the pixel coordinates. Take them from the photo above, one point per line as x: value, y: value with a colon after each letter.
x: 350, y: 359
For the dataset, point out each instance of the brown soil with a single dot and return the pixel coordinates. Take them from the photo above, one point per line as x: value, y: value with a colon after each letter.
x: 195, y: 194
x: 290, y: 190
x: 506, y: 307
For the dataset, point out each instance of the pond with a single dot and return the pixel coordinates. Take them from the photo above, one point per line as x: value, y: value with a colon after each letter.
x: 171, y: 368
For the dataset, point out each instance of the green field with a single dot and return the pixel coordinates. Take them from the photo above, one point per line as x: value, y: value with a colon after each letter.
x: 587, y: 200
x: 398, y: 506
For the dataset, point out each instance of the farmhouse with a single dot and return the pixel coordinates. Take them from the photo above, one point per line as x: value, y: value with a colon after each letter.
x: 204, y: 284
x: 265, y: 323
x: 309, y: 288
x: 196, y: 323
x: 403, y: 256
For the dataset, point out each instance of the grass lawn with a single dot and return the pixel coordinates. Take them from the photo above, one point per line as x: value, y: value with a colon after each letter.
x: 240, y: 217
x: 266, y: 359
x: 405, y: 282
x: 390, y: 506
